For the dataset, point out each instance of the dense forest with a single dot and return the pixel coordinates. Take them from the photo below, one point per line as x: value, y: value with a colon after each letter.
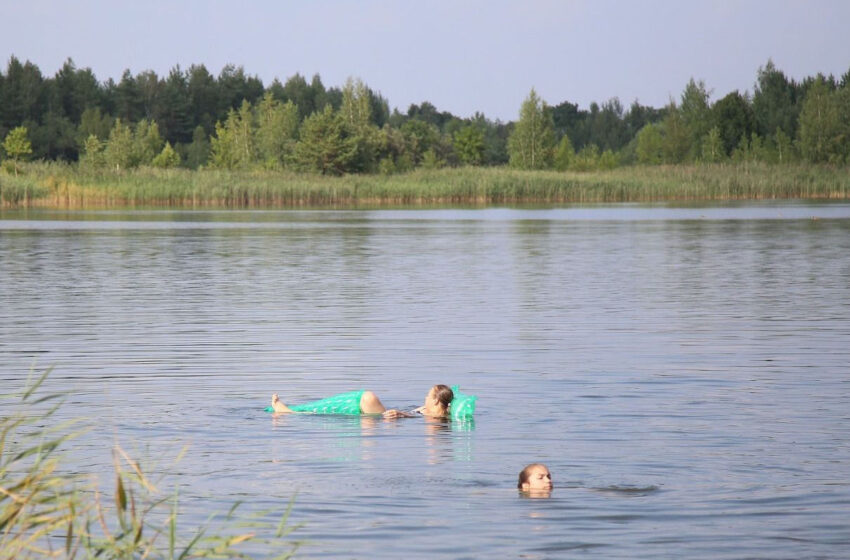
x: 191, y: 118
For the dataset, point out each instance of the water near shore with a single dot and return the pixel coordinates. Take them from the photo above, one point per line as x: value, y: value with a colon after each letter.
x: 683, y: 371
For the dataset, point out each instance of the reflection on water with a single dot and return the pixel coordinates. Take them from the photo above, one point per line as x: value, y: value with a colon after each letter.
x: 535, y: 494
x: 682, y: 371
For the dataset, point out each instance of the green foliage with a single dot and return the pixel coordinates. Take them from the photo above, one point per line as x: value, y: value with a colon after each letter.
x: 608, y: 160
x: 8, y: 166
x: 392, y: 151
x: 119, y: 149
x: 198, y: 152
x: 760, y: 149
x: 17, y: 145
x: 430, y: 160
x: 712, y: 147
x: 93, y: 156
x: 606, y: 125
x: 743, y: 152
x: 824, y: 124
x: 259, y: 128
x: 323, y: 146
x: 404, y: 163
x: 587, y: 159
x: 24, y: 95
x: 531, y: 144
x: 784, y: 148
x: 775, y: 104
x: 695, y: 113
x: 650, y: 145
x: 308, y: 98
x: 167, y: 158
x: 233, y: 145
x: 175, y: 116
x: 469, y: 145
x: 356, y: 109
x: 46, y: 511
x: 35, y: 501
x: 386, y: 166
x: 676, y: 136
x: 93, y: 122
x: 147, y: 143
x: 564, y: 154
x: 276, y: 132
x: 147, y: 186
x: 223, y: 148
x: 733, y: 117
x: 55, y: 138
x: 419, y: 137
x: 17, y: 189
x: 356, y: 115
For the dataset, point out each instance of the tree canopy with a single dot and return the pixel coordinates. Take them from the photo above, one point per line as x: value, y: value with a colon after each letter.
x: 192, y: 117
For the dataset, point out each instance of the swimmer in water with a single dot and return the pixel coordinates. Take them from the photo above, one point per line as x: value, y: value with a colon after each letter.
x: 535, y: 478
x: 436, y: 404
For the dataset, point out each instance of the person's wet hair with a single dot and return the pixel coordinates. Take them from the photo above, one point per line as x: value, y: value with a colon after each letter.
x: 444, y: 395
x: 526, y: 472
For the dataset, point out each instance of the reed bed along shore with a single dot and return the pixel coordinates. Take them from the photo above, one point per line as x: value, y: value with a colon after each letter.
x: 64, y: 186
x: 50, y: 508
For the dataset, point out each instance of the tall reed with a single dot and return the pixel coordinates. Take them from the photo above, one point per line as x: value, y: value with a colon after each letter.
x: 68, y: 187
x: 48, y: 512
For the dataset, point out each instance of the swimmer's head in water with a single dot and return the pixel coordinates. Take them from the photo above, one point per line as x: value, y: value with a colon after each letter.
x: 437, y: 400
x: 442, y: 394
x: 534, y: 477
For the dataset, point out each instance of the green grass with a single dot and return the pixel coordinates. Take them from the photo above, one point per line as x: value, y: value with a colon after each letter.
x: 47, y: 512
x: 64, y: 186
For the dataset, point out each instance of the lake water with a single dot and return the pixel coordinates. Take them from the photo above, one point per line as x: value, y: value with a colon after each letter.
x: 683, y: 371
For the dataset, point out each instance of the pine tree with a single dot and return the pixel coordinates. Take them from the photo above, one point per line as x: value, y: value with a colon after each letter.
x: 323, y: 147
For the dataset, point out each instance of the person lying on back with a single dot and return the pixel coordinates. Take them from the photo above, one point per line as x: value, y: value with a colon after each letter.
x: 436, y: 404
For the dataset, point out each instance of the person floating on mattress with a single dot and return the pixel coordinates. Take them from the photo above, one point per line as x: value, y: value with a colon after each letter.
x: 437, y: 404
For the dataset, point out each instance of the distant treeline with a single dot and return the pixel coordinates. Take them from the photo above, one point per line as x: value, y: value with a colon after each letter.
x: 191, y: 118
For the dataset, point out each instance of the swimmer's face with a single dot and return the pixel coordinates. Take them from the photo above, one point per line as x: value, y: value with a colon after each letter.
x: 431, y: 404
x: 538, y: 479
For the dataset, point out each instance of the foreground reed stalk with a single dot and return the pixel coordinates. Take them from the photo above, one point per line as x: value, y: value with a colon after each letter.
x: 45, y: 512
x: 65, y: 186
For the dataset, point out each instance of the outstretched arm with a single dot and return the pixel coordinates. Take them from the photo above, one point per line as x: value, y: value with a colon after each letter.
x: 393, y: 413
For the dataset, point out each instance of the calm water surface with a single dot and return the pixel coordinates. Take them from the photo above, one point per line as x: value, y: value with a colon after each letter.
x: 682, y: 371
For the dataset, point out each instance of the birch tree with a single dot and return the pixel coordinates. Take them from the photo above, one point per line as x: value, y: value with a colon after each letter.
x: 532, y: 142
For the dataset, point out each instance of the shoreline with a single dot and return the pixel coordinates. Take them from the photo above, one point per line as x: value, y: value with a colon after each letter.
x: 62, y: 186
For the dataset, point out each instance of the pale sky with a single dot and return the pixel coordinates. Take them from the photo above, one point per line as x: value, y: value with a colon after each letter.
x: 462, y: 56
